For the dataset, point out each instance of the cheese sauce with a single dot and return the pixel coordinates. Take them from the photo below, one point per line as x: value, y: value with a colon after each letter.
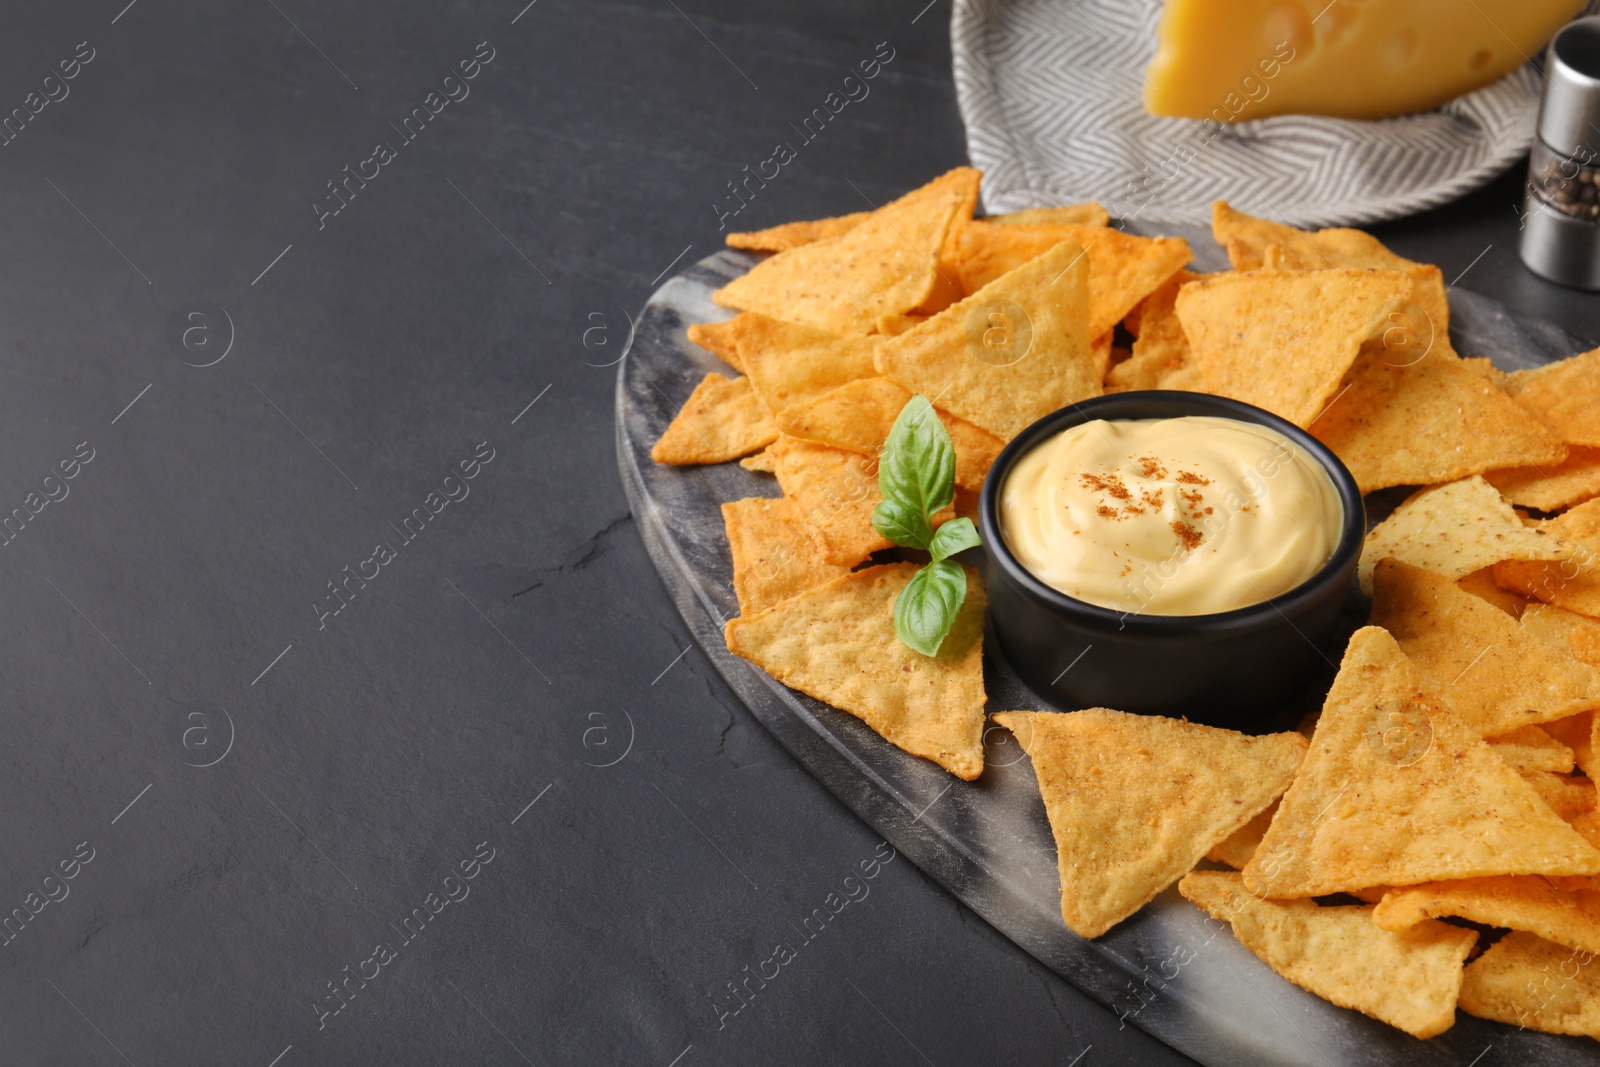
x: 1186, y: 516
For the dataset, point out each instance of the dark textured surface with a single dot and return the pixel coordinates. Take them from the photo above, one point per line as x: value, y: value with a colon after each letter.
x: 502, y: 654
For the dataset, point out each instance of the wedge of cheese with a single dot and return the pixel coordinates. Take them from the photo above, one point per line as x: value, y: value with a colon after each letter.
x: 1237, y: 60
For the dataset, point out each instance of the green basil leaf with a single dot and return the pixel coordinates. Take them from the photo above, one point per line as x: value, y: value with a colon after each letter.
x: 918, y: 462
x: 927, y: 607
x: 954, y: 536
x: 902, y: 523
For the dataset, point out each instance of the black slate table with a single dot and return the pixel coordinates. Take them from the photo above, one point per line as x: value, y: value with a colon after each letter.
x: 344, y: 718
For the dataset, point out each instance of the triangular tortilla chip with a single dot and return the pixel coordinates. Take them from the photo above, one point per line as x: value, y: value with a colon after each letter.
x: 895, y: 325
x: 1134, y: 801
x: 858, y: 417
x: 721, y: 420
x: 1123, y: 268
x: 1453, y: 530
x: 794, y: 234
x: 1039, y: 362
x: 774, y: 557
x: 1573, y: 582
x: 1474, y: 657
x: 1480, y: 583
x: 1551, y: 487
x: 1579, y: 634
x: 1409, y: 979
x: 1484, y: 366
x: 1529, y: 748
x: 1569, y: 798
x: 1401, y: 420
x: 1529, y: 982
x: 1248, y: 240
x: 1564, y: 397
x: 1397, y: 791
x: 1089, y: 214
x: 1511, y: 901
x: 764, y: 461
x: 721, y: 339
x: 1578, y: 734
x: 1242, y: 843
x: 1100, y: 355
x: 947, y: 277
x: 887, y: 265
x: 837, y: 643
x: 834, y: 493
x: 1283, y: 340
x: 1159, y: 347
x: 788, y: 362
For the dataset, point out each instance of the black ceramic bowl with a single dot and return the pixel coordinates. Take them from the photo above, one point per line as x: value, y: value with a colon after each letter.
x: 1226, y: 669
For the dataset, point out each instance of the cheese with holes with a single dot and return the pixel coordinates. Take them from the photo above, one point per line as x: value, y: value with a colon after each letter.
x: 1237, y: 60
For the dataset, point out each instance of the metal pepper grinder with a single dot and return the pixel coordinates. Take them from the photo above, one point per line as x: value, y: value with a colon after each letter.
x: 1561, y: 213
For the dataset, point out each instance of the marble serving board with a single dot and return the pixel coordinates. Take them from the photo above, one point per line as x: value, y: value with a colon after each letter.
x: 1169, y: 970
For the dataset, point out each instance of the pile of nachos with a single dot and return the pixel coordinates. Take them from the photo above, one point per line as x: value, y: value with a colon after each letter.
x: 1430, y: 839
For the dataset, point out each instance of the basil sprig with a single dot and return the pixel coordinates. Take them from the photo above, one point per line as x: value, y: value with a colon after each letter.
x: 916, y: 478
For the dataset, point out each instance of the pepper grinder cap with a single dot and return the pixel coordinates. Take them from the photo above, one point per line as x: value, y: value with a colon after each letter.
x: 1569, y: 115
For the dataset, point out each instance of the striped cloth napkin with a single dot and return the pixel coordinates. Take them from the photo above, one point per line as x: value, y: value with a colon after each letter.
x: 1050, y: 93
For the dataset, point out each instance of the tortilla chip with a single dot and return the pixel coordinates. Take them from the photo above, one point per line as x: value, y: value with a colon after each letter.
x: 1397, y: 791
x: 1529, y: 748
x: 1576, y: 633
x: 764, y: 461
x: 1089, y: 214
x: 1242, y: 843
x: 1453, y: 530
x: 1573, y: 582
x: 1409, y: 979
x: 1275, y: 258
x: 1283, y: 340
x: 1402, y: 420
x: 886, y: 265
x: 837, y: 643
x: 1563, y: 396
x: 834, y: 492
x: 1248, y: 240
x: 1573, y: 799
x: 1570, y: 796
x: 1577, y: 733
x: 721, y: 420
x: 1185, y: 377
x: 1480, y: 583
x: 1533, y: 983
x: 1123, y: 268
x: 965, y: 504
x: 1474, y: 657
x: 1160, y: 346
x: 1552, y: 487
x: 976, y: 450
x: 794, y: 234
x: 774, y: 558
x: 1484, y: 366
x: 858, y: 417
x: 1134, y: 801
x: 947, y: 278
x: 721, y: 339
x: 1517, y: 903
x: 1100, y: 355
x: 895, y: 325
x: 788, y: 363
x: 1040, y: 362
